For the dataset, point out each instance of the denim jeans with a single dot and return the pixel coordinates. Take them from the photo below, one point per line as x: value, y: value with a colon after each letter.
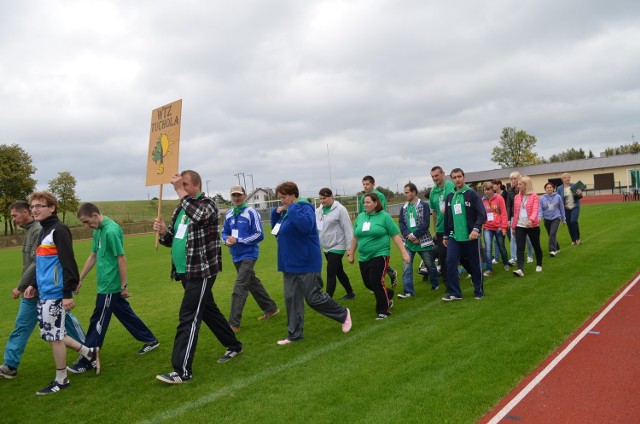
x: 407, y: 272
x: 489, y: 236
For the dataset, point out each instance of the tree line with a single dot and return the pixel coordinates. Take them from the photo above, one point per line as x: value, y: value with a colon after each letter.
x: 17, y: 183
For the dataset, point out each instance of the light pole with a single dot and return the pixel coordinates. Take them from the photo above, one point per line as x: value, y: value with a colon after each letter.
x: 208, y: 188
x: 252, y: 187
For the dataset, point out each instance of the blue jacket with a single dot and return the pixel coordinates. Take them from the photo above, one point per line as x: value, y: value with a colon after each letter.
x: 249, y: 227
x: 576, y: 197
x: 298, y: 242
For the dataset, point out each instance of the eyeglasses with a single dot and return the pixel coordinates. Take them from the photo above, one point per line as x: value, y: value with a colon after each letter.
x: 37, y: 207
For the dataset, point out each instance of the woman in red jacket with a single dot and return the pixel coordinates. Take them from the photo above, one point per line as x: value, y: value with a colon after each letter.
x: 526, y: 222
x: 495, y: 226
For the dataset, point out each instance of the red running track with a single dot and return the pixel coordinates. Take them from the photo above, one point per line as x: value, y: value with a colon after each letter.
x: 594, y: 377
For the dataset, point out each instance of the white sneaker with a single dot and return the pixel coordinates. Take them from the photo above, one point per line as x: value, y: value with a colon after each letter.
x: 518, y: 273
x: 552, y: 253
x: 529, y: 260
x: 494, y: 261
x: 538, y: 268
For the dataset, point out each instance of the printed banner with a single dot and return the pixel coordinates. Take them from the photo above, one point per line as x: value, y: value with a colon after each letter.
x: 164, y: 143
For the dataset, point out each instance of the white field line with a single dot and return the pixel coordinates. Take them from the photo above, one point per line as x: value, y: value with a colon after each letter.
x: 533, y: 383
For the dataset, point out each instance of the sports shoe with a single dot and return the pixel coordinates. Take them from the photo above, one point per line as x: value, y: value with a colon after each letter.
x: 435, y: 287
x: 518, y: 273
x: 173, y: 378
x: 450, y: 297
x: 479, y: 297
x: 507, y: 268
x: 234, y: 328
x: 552, y: 253
x: 148, y: 347
x: 79, y: 367
x: 394, y: 278
x: 54, y: 387
x: 349, y: 296
x: 405, y: 295
x: 487, y: 273
x: 380, y: 317
x: 529, y: 259
x: 284, y: 342
x: 268, y: 315
x: 7, y: 372
x: 346, y: 325
x: 390, y: 304
x: 538, y: 268
x: 229, y: 355
x: 512, y: 262
x: 94, y: 358
x: 494, y: 261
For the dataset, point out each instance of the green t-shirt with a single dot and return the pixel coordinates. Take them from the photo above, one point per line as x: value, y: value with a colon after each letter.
x: 179, y: 244
x: 459, y: 212
x: 108, y: 244
x: 437, y: 198
x: 383, y: 201
x: 374, y: 242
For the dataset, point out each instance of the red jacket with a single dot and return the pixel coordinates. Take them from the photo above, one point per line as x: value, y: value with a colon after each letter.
x: 532, y: 206
x: 497, y: 209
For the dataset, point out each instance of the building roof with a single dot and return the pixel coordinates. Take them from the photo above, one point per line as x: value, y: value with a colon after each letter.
x: 630, y: 159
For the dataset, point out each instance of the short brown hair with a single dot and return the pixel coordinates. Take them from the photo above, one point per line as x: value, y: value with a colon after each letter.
x: 325, y: 192
x: 288, y: 188
x: 46, y: 197
x: 195, y: 177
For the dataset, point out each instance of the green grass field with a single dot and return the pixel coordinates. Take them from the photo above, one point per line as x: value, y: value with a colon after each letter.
x: 431, y: 361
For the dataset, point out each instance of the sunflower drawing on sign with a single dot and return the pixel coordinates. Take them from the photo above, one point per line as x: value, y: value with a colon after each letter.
x: 161, y: 149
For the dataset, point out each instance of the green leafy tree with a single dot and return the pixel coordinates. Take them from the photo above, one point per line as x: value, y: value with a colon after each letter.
x: 388, y: 194
x: 569, y: 154
x: 591, y: 156
x: 64, y: 187
x: 16, y: 181
x: 624, y: 149
x: 515, y: 149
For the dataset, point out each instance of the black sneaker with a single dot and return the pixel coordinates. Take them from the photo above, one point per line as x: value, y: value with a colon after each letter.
x: 79, y: 367
x: 149, y: 347
x: 54, y: 387
x: 394, y: 278
x: 8, y: 372
x: 173, y: 378
x: 229, y: 355
x: 349, y: 296
x: 450, y: 297
x: 435, y: 287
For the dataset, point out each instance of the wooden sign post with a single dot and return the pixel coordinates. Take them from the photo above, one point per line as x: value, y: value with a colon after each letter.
x: 164, y: 145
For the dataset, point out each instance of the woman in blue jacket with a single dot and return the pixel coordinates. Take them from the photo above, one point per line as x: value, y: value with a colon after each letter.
x: 571, y: 199
x: 300, y: 260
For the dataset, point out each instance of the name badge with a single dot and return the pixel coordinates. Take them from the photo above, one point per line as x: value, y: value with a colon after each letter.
x: 275, y: 229
x: 441, y: 206
x: 490, y: 216
x: 412, y: 221
x: 552, y: 206
x: 320, y: 225
x: 366, y: 226
x: 234, y: 233
x: 182, y: 230
x: 457, y: 209
x: 523, y: 213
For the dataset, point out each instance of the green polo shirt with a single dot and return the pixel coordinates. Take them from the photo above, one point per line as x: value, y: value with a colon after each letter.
x: 108, y: 244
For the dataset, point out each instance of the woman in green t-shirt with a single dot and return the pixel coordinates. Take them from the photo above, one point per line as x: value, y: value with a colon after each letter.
x: 372, y: 230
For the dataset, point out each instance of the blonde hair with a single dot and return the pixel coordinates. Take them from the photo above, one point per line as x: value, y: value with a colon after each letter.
x: 515, y: 174
x: 566, y: 174
x: 488, y: 185
x: 528, y: 184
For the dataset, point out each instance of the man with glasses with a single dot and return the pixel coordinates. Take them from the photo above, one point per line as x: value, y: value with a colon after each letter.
x: 27, y: 317
x: 56, y: 280
x: 242, y: 232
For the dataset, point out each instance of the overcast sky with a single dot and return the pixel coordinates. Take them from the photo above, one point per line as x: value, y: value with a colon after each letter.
x: 281, y: 89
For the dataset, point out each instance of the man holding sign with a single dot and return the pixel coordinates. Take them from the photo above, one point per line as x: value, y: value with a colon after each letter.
x: 196, y: 259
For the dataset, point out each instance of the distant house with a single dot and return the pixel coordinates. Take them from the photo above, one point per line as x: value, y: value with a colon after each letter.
x: 601, y: 175
x: 262, y: 198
